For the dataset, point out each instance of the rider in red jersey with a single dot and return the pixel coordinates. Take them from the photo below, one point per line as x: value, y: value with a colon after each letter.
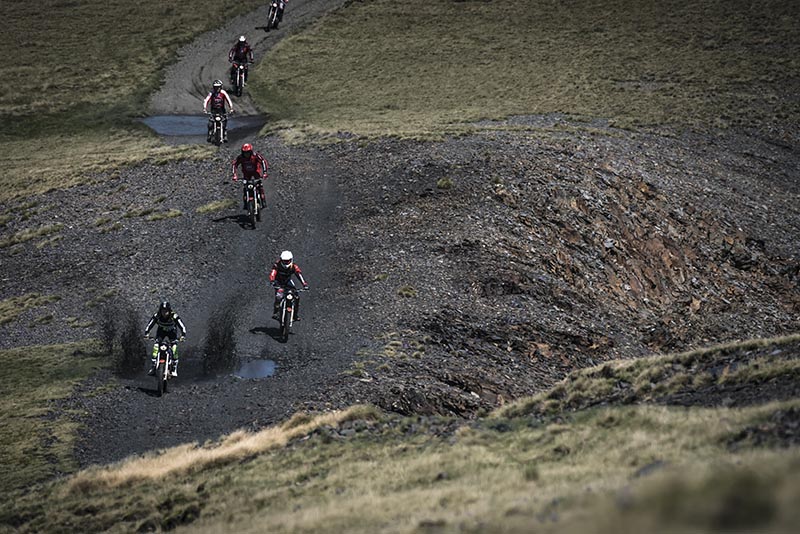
x: 254, y: 167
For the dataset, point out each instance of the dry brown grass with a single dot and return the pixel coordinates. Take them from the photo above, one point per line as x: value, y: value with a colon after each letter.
x: 191, y: 458
x: 654, y: 376
x: 217, y: 205
x: 30, y: 233
x: 11, y: 308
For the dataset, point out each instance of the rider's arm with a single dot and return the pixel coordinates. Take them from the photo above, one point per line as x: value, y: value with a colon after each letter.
x: 263, y: 165
x: 150, y: 324
x: 227, y: 99
x: 180, y: 324
x: 234, y: 164
x: 205, y: 102
x: 272, y: 274
x: 299, y: 275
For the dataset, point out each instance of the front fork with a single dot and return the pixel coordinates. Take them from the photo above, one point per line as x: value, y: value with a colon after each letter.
x: 154, y: 357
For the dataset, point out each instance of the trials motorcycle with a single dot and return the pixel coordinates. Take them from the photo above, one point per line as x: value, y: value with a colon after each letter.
x: 164, y: 363
x: 288, y: 296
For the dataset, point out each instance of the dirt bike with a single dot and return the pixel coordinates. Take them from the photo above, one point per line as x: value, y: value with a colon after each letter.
x: 253, y: 200
x: 272, y: 17
x: 216, y: 123
x: 163, y: 364
x: 240, y: 68
x: 286, y: 309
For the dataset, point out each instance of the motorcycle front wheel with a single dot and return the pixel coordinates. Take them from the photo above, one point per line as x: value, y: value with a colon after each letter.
x: 251, y: 212
x: 161, y: 381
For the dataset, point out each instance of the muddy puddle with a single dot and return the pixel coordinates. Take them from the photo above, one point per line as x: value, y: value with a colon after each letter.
x: 256, y: 369
x: 195, y: 125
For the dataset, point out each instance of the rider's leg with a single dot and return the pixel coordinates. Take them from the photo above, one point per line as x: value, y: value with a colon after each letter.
x: 225, y: 129
x: 277, y: 304
x: 261, y: 195
x: 174, y: 339
x: 153, y: 359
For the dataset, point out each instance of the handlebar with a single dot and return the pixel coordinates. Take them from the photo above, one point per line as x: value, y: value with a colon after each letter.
x: 276, y: 286
x: 180, y: 339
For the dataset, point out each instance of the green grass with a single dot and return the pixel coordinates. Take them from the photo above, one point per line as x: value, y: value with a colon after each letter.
x: 78, y: 78
x: 11, y: 308
x: 34, y: 445
x: 423, y: 68
x: 642, y: 468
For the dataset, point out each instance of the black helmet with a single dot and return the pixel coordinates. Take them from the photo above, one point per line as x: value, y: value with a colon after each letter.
x: 164, y: 306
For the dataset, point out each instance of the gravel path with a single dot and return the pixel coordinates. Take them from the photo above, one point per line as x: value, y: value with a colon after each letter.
x: 188, y: 81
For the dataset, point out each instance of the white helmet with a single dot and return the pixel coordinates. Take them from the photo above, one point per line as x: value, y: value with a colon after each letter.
x: 242, y: 39
x: 286, y: 258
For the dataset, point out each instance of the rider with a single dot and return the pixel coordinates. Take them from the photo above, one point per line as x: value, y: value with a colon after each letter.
x: 218, y: 99
x: 168, y: 324
x: 281, y: 278
x: 242, y: 54
x: 254, y: 167
x: 281, y: 7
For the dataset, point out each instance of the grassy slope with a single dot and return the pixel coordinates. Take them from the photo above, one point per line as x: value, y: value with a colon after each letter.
x: 421, y: 67
x: 630, y: 467
x: 76, y: 73
x: 34, y: 445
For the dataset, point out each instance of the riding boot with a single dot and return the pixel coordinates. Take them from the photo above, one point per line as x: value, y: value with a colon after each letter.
x: 174, y: 370
x: 152, y: 370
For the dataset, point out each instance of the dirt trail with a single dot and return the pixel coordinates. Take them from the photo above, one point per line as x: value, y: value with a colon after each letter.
x: 188, y: 81
x: 226, y: 264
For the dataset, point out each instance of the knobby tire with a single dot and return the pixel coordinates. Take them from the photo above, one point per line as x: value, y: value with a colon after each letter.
x: 160, y: 382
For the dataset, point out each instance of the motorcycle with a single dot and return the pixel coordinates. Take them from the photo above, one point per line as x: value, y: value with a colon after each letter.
x: 288, y: 296
x: 163, y: 364
x: 253, y: 200
x: 216, y: 123
x: 240, y: 69
x: 275, y: 7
